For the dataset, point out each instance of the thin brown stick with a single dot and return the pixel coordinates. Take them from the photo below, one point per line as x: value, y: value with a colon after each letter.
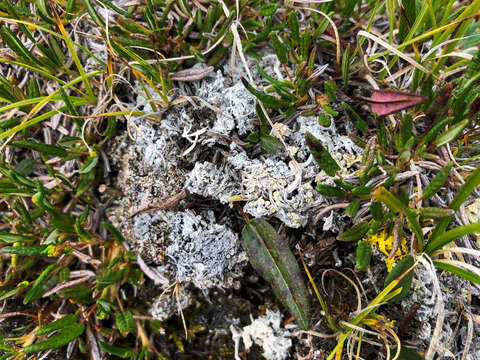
x: 175, y: 199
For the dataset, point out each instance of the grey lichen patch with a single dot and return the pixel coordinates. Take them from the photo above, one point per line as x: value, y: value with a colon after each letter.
x: 266, y: 332
x: 202, y: 250
x: 209, y: 181
x: 455, y: 293
x: 153, y: 236
x: 189, y: 248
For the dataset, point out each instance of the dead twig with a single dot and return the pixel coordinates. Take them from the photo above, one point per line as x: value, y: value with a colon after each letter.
x: 175, y: 199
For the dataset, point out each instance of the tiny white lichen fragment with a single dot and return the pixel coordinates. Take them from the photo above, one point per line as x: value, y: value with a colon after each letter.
x: 267, y: 333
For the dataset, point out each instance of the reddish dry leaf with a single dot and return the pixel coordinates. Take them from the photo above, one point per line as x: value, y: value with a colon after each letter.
x: 386, y: 101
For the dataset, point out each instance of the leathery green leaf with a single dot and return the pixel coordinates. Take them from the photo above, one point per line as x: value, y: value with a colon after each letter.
x: 406, y: 282
x: 61, y: 323
x: 271, y: 257
x: 65, y: 335
x: 321, y: 155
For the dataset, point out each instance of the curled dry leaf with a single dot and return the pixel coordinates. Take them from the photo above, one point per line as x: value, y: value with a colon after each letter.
x: 387, y: 101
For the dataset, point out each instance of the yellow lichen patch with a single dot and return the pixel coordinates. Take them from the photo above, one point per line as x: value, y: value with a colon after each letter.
x: 385, y: 245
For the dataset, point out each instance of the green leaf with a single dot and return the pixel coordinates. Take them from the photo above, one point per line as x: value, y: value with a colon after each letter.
x: 11, y: 238
x: 451, y: 134
x: 376, y: 210
x: 14, y: 291
x: 34, y: 250
x: 471, y: 182
x: 438, y: 181
x: 280, y: 49
x: 89, y: 165
x: 12, y: 189
x: 435, y: 212
x: 17, y: 46
x: 406, y: 282
x: 321, y: 155
x: 447, y: 237
x: 80, y: 294
x: 359, y: 123
x: 268, y: 100
x: 270, y: 144
x: 356, y: 232
x: 406, y: 128
x: 67, y: 320
x: 467, y: 275
x: 433, y: 132
x: 108, y: 278
x: 66, y: 335
x: 396, y: 205
x: 364, y: 254
x: 271, y: 257
x: 117, y: 235
x: 36, y: 291
x: 352, y: 208
x: 328, y: 190
x: 361, y: 190
x: 349, y: 6
x: 324, y: 120
x: 268, y: 9
x: 26, y: 166
x: 42, y: 148
x: 120, y: 352
x: 294, y: 27
x: 125, y: 322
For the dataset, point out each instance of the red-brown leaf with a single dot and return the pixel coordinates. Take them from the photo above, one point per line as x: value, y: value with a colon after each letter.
x: 386, y: 102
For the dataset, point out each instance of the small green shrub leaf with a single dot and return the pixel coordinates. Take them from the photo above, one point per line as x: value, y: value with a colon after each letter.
x: 294, y: 27
x: 280, y: 49
x: 321, y: 155
x: 435, y: 212
x: 451, y: 134
x: 11, y: 238
x: 42, y: 148
x: 125, y: 322
x: 406, y: 282
x: 353, y: 208
x: 438, y: 181
x: 270, y: 144
x: 36, y: 291
x: 268, y: 9
x: 471, y: 182
x: 118, y: 351
x: 268, y: 100
x: 356, y: 232
x: 364, y: 254
x: 331, y: 191
x: 89, y: 165
x: 396, y: 205
x: 34, y: 250
x: 66, y: 335
x: 67, y: 320
x: 271, y: 257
